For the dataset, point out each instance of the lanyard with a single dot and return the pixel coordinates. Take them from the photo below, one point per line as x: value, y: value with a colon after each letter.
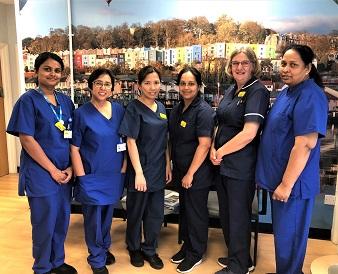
x: 58, y: 117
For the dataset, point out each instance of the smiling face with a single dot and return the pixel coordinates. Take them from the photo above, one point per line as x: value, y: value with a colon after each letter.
x: 293, y: 70
x: 241, y: 68
x: 150, y: 86
x: 49, y: 74
x: 188, y: 86
x: 102, y: 88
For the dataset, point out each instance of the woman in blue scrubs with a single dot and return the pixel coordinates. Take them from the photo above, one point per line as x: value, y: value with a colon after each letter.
x: 97, y: 153
x: 40, y: 119
x: 191, y: 127
x: 240, y: 116
x: 145, y: 125
x: 288, y: 158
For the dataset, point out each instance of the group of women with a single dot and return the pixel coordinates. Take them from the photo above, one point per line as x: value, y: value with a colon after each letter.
x: 236, y: 147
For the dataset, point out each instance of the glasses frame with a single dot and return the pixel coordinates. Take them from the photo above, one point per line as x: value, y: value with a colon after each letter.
x: 188, y: 84
x: 244, y: 63
x: 100, y: 84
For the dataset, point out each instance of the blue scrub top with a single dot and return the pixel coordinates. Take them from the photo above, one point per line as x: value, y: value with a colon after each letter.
x: 198, y: 120
x: 250, y: 104
x: 98, y: 137
x: 32, y: 115
x: 149, y: 129
x: 299, y: 110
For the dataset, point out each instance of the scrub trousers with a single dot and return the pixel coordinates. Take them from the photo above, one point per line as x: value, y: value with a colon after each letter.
x: 194, y: 221
x: 97, y: 224
x: 291, y: 223
x: 146, y: 207
x: 50, y: 220
x: 235, y: 208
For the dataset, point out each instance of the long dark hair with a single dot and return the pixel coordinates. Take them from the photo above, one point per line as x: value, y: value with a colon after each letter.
x: 194, y: 71
x: 142, y: 74
x: 307, y: 55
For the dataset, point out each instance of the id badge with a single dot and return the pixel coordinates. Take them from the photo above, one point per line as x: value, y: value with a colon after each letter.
x: 67, y: 134
x: 60, y: 126
x: 121, y: 147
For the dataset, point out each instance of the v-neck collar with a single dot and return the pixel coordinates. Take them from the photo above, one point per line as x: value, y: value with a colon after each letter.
x: 148, y: 108
x: 108, y: 119
x: 194, y: 103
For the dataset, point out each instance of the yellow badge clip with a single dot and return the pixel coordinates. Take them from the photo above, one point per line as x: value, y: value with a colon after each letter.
x: 163, y: 116
x: 183, y: 124
x: 241, y: 94
x: 60, y: 126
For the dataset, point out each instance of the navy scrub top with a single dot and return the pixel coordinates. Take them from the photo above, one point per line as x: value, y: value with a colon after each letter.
x: 250, y: 104
x: 184, y: 130
x: 98, y: 137
x: 32, y: 115
x: 149, y: 129
x: 297, y: 111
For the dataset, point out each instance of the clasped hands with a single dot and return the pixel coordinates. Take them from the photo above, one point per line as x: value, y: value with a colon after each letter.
x: 216, y: 156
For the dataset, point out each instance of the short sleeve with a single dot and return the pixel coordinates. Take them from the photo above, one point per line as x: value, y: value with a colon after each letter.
x: 257, y: 104
x: 78, y: 128
x: 310, y: 113
x: 205, y: 122
x: 119, y: 111
x: 130, y: 125
x: 23, y: 117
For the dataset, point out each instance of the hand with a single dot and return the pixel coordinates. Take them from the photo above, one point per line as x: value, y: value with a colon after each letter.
x: 213, y: 157
x: 187, y: 181
x: 57, y: 175
x: 219, y: 154
x: 69, y: 173
x: 140, y: 182
x: 168, y: 174
x: 282, y: 193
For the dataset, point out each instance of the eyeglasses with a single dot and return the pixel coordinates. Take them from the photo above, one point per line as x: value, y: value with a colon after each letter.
x: 189, y: 84
x: 244, y: 63
x: 100, y: 84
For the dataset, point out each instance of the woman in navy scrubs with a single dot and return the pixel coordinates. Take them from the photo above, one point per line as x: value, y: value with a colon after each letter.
x: 97, y: 154
x: 40, y: 119
x: 191, y: 126
x: 288, y: 159
x: 240, y: 116
x: 145, y: 125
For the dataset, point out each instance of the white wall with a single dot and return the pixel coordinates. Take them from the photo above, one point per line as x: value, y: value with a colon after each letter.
x: 10, y: 74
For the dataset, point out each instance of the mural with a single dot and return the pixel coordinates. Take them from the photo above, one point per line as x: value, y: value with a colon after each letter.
x: 125, y: 35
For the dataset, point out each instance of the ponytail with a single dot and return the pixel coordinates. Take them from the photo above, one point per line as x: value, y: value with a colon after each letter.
x: 316, y: 76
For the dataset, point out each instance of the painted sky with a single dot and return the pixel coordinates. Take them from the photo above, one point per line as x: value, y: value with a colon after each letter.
x: 317, y: 16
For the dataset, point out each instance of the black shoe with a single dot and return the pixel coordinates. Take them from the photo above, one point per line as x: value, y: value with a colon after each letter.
x: 223, y: 261
x: 226, y: 271
x: 187, y: 265
x: 100, y: 270
x: 136, y: 258
x: 178, y: 257
x: 64, y: 269
x: 154, y: 261
x: 110, y: 259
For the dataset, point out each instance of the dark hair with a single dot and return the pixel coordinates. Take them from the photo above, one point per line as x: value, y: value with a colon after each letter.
x: 47, y: 55
x: 194, y: 71
x: 307, y: 55
x: 142, y: 74
x: 97, y: 73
